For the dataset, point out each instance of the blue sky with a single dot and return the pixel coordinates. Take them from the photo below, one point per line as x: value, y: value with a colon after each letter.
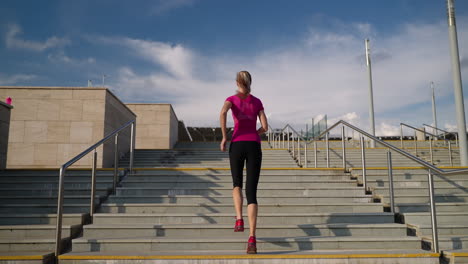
x: 306, y: 57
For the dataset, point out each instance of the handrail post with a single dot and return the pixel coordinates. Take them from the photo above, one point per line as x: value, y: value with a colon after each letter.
x: 415, y: 143
x: 282, y: 139
x: 401, y: 135
x: 116, y: 161
x: 293, y: 148
x: 430, y: 150
x: 328, y: 150
x: 343, y: 147
x: 58, y: 230
x: 435, y: 237
x: 93, y: 184
x: 299, y: 150
x: 132, y: 147
x: 450, y: 153
x: 390, y: 181
x: 305, y: 154
x: 363, y: 159
x: 287, y: 137
x: 315, y: 153
x: 456, y: 140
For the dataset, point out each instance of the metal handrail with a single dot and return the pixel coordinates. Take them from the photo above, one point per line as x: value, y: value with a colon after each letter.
x: 446, y: 132
x: 115, y: 135
x: 448, y: 142
x: 430, y: 167
x: 421, y: 130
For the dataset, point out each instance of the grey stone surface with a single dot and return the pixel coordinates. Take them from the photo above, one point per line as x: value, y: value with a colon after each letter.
x: 51, y: 125
x: 157, y: 126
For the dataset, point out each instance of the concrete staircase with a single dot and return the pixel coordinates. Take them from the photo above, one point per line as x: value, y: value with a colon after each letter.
x: 28, y: 205
x: 178, y: 206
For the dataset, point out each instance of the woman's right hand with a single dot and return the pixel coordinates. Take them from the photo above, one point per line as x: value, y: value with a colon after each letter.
x: 222, y: 146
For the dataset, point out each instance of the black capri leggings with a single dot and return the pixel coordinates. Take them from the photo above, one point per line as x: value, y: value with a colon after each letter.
x: 250, y: 151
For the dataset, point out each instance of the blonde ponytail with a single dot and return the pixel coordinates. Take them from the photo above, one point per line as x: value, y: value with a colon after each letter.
x: 245, y: 79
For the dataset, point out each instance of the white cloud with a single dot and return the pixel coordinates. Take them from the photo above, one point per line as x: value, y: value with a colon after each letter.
x: 61, y: 57
x: 176, y: 59
x: 322, y: 73
x: 13, y: 41
x: 14, y: 79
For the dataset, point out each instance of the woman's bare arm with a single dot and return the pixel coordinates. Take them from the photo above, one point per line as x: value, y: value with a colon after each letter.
x: 222, y: 119
x: 263, y: 121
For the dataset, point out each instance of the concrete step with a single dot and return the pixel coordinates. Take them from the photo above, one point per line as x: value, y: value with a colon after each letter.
x: 396, y: 256
x: 449, y: 242
x: 438, y: 183
x: 264, y: 218
x: 317, y: 191
x: 31, y: 244
x: 426, y: 230
x: 81, y: 199
x: 42, y: 208
x: 439, y: 198
x: 204, y: 208
x: 38, y: 231
x: 227, y: 172
x: 443, y: 218
x: 421, y: 190
x: 458, y: 256
x: 424, y: 207
x: 27, y: 257
x: 216, y: 230
x: 53, y: 185
x: 263, y: 244
x: 265, y: 183
x: 223, y: 199
x: 51, y: 192
x: 43, y: 219
x: 228, y: 178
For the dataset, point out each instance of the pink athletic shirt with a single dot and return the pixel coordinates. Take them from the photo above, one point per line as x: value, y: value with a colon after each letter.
x: 244, y: 113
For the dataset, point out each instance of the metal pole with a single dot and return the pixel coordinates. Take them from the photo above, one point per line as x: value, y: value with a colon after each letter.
x: 287, y: 136
x: 293, y: 148
x: 58, y: 230
x: 363, y: 159
x: 430, y: 150
x: 401, y: 135
x: 299, y: 151
x: 116, y: 161
x: 282, y: 139
x: 307, y: 131
x: 343, y: 147
x: 313, y: 132
x: 415, y: 144
x: 390, y: 181
x: 305, y: 154
x: 371, y: 95
x: 435, y: 238
x: 328, y: 150
x: 450, y: 153
x: 457, y: 83
x: 315, y: 153
x: 132, y: 146
x: 434, y: 115
x: 93, y: 184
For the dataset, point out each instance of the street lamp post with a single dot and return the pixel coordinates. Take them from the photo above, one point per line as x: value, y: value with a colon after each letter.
x: 457, y: 83
x: 371, y: 94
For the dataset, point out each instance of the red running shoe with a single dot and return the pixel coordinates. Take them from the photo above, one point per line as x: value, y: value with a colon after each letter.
x: 239, y: 227
x: 252, y: 245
